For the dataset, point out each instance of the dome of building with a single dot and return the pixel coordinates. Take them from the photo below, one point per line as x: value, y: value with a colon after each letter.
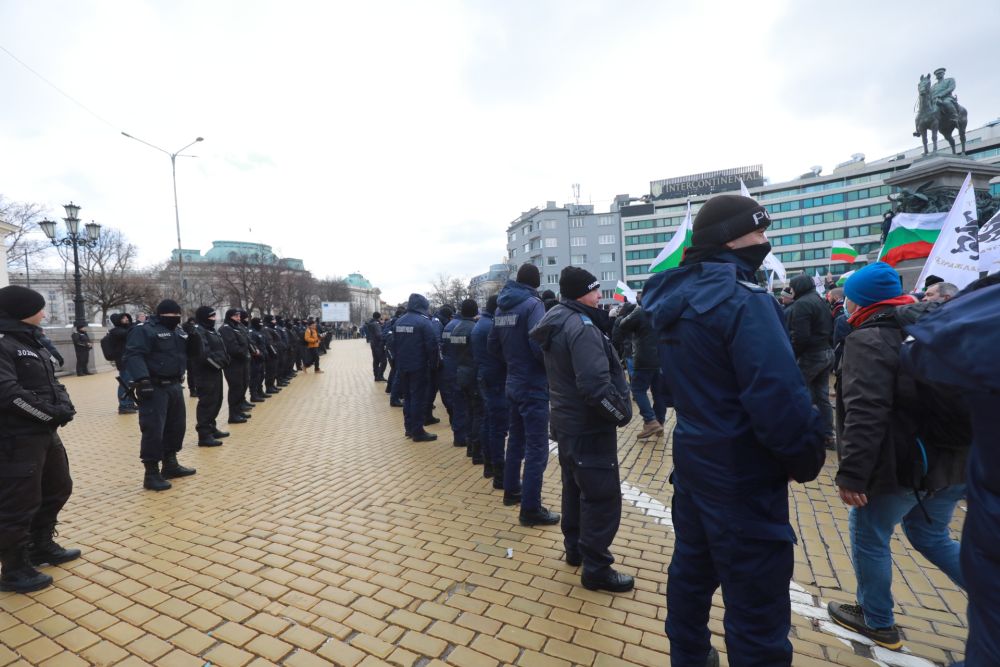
x: 358, y: 280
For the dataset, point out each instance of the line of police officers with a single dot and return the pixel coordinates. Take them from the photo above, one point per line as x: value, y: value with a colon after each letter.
x: 34, y: 471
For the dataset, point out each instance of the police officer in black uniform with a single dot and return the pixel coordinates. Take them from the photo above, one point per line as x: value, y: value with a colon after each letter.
x: 248, y: 364
x: 589, y: 398
x: 156, y: 357
x: 238, y: 349
x: 34, y: 470
x: 258, y: 360
x: 373, y: 331
x: 208, y: 358
x: 272, y: 342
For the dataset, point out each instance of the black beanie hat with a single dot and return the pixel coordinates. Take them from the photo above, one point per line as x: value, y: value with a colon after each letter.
x: 20, y: 302
x: 376, y: 315
x: 231, y: 312
x: 491, y: 304
x: 203, y: 313
x: 528, y: 275
x: 470, y: 308
x: 255, y: 322
x: 574, y: 282
x: 724, y: 218
x: 168, y: 306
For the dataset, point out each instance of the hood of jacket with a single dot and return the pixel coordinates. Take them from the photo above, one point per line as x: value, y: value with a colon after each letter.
x: 802, y: 285
x: 514, y: 293
x: 418, y: 303
x: 701, y: 287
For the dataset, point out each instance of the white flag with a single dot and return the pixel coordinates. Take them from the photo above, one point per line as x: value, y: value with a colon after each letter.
x: 989, y: 245
x: 955, y: 255
x: 771, y: 263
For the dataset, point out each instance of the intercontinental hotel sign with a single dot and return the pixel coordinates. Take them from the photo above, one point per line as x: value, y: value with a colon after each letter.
x: 707, y: 183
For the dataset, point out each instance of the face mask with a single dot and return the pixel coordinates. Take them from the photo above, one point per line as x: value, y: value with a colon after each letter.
x: 170, y: 321
x: 753, y: 254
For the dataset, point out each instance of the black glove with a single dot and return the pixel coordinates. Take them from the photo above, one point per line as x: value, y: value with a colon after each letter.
x: 63, y: 415
x: 143, y: 389
x: 60, y: 360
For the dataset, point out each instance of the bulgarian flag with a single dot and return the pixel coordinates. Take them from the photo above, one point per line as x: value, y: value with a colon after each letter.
x: 671, y: 255
x: 911, y: 236
x: 843, y: 252
x: 843, y: 278
x: 623, y: 291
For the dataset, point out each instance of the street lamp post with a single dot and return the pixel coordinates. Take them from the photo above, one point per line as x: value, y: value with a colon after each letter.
x: 177, y: 215
x: 74, y: 239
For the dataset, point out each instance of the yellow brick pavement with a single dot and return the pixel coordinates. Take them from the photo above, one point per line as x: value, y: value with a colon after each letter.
x: 317, y: 535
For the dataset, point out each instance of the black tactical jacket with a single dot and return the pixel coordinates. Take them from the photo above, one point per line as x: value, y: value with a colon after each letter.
x: 156, y: 352
x: 237, y: 343
x: 209, y: 354
x: 31, y: 400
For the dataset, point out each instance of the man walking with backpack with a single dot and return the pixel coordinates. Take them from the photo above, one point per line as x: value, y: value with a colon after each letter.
x: 896, y: 466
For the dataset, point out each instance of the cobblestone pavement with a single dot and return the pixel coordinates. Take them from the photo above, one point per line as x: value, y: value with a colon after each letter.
x: 319, y: 535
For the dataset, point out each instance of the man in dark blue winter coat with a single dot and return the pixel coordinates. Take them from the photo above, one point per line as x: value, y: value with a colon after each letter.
x: 448, y: 378
x: 519, y: 310
x: 492, y: 376
x: 956, y: 346
x: 745, y: 427
x: 466, y: 379
x: 439, y: 321
x: 589, y: 400
x: 415, y: 347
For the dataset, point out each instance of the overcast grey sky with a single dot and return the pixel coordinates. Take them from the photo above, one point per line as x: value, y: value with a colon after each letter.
x: 399, y: 139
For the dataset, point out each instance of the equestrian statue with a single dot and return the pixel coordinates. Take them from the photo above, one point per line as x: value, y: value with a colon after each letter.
x: 938, y: 110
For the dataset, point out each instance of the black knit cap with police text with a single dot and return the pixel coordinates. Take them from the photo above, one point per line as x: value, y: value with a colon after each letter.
x: 724, y: 218
x: 574, y: 282
x: 20, y: 302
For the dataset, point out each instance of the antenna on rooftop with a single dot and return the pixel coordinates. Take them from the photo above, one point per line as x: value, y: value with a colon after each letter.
x: 576, y: 193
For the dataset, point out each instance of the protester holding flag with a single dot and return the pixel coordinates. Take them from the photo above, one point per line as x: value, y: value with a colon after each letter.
x: 745, y: 427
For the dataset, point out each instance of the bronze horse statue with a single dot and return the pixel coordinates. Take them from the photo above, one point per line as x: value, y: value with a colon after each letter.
x: 931, y: 117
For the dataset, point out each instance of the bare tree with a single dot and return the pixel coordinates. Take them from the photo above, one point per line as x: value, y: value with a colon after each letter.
x: 22, y: 244
x: 448, y: 290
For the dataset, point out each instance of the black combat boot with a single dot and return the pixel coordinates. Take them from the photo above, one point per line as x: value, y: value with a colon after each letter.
x: 43, y: 549
x: 16, y: 573
x: 498, y: 477
x: 154, y: 480
x: 487, y: 469
x: 172, y: 469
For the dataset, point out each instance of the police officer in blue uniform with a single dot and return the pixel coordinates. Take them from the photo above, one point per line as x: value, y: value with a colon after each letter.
x: 519, y: 310
x: 589, y: 401
x: 492, y: 377
x: 465, y: 393
x: 745, y: 427
x: 416, y: 348
x: 34, y: 472
x: 439, y: 320
x: 956, y: 347
x: 156, y: 357
x: 448, y: 382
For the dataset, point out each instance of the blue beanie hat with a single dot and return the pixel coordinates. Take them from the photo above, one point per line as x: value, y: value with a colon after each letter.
x: 875, y: 282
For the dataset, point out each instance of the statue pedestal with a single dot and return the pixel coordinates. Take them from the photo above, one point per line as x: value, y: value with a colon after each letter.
x: 946, y: 172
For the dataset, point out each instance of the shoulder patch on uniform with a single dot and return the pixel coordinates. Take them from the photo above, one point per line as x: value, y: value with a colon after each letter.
x: 586, y: 320
x: 753, y: 287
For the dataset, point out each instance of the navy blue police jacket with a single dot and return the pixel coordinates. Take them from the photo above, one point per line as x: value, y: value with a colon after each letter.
x: 956, y: 346
x: 415, y: 341
x: 459, y: 350
x: 490, y: 367
x: 154, y: 351
x: 449, y: 352
x: 745, y: 422
x: 519, y: 310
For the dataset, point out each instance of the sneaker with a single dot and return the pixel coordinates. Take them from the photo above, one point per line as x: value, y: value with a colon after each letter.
x: 852, y: 617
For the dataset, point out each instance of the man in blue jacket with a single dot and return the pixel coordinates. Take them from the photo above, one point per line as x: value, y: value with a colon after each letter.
x: 956, y: 346
x: 745, y: 427
x: 415, y: 347
x: 448, y: 383
x: 518, y: 311
x: 492, y: 376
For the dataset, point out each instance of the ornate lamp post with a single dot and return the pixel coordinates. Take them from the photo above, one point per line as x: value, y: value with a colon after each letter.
x: 74, y: 239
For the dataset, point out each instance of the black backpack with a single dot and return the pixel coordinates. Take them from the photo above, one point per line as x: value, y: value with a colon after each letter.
x: 109, y: 347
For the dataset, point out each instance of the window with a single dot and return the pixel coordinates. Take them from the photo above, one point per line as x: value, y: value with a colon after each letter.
x: 513, y: 236
x: 526, y: 247
x: 578, y: 241
x: 608, y: 275
x: 607, y: 294
x: 536, y: 244
x: 606, y: 239
x: 551, y: 243
x: 576, y: 223
x: 550, y: 261
x: 607, y: 257
x: 552, y: 278
x: 550, y: 224
x: 525, y: 230
x: 605, y: 220
x: 576, y: 260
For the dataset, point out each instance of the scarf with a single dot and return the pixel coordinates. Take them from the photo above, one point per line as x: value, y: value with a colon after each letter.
x: 861, y: 315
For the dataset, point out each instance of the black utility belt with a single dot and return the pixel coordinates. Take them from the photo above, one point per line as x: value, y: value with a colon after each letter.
x: 163, y: 382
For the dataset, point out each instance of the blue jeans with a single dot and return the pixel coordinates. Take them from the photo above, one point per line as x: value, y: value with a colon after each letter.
x: 871, y: 528
x: 643, y: 380
x: 528, y: 441
x: 124, y: 402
